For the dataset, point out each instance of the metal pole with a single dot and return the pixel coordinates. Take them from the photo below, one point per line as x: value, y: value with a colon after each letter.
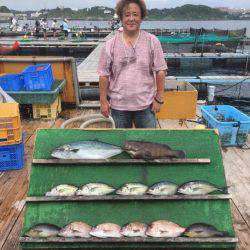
x: 246, y: 67
x: 75, y: 81
x: 34, y: 59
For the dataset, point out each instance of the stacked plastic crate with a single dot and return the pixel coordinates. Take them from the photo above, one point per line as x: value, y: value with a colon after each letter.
x: 34, y: 79
x: 40, y: 78
x: 11, y: 138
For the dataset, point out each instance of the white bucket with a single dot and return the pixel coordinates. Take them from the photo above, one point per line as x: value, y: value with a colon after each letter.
x: 210, y: 93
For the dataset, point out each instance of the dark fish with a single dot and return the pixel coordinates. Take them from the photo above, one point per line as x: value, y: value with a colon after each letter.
x: 151, y: 150
x: 203, y: 230
x: 43, y: 231
x: 199, y: 188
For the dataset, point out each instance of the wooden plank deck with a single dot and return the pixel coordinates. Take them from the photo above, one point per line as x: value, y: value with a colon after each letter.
x: 14, y: 184
x: 86, y: 71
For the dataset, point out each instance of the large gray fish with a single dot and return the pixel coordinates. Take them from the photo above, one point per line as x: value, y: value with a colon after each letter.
x: 132, y: 189
x: 106, y: 230
x: 62, y: 190
x: 89, y: 149
x: 43, y: 231
x: 76, y: 229
x: 95, y: 189
x: 134, y: 229
x: 151, y: 150
x: 203, y: 230
x: 163, y: 188
x: 164, y: 228
x: 199, y: 188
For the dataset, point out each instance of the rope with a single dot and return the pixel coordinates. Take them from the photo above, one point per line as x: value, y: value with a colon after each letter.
x: 216, y: 92
x: 89, y: 119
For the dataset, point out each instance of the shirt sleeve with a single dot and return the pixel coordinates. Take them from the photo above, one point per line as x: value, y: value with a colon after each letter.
x: 104, y: 65
x: 159, y: 62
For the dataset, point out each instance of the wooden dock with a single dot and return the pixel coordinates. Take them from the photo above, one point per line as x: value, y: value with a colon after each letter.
x: 86, y: 71
x: 14, y: 184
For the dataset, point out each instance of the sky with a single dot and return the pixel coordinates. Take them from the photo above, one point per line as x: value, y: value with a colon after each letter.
x: 81, y: 4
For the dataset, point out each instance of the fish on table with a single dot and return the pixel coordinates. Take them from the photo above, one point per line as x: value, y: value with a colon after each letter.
x: 151, y: 150
x: 134, y: 229
x: 163, y: 188
x: 92, y: 189
x: 106, y: 230
x: 43, y: 231
x: 62, y: 190
x: 76, y: 229
x: 199, y: 187
x: 164, y: 228
x: 203, y: 230
x: 87, y: 149
x: 132, y: 189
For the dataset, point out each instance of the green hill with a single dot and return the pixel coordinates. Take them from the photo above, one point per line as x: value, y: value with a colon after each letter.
x: 189, y: 12
x: 186, y: 12
x: 4, y: 9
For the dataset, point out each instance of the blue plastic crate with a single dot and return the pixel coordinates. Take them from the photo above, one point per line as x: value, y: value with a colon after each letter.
x: 12, y: 157
x: 12, y: 82
x: 38, y: 77
x: 232, y: 124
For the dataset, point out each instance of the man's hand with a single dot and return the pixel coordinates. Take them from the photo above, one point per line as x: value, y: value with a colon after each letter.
x: 105, y: 108
x: 156, y: 107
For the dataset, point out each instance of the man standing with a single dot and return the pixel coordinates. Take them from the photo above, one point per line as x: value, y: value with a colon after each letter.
x: 132, y: 71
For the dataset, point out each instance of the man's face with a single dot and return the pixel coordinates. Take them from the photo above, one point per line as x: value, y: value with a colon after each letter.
x: 131, y: 18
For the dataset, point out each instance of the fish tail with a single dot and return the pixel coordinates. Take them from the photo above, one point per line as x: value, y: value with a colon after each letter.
x: 224, y: 190
x: 180, y: 154
x: 222, y: 234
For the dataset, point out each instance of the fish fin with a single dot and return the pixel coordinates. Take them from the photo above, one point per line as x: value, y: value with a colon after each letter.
x: 75, y: 150
x: 136, y: 230
x: 223, y: 234
x: 180, y: 154
x: 107, y: 230
x: 224, y: 190
x: 147, y: 155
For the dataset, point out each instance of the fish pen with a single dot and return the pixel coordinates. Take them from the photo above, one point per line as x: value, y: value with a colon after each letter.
x: 213, y: 209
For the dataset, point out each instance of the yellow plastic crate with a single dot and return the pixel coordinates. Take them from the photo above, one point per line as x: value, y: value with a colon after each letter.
x: 47, y: 111
x: 10, y: 124
x: 180, y: 101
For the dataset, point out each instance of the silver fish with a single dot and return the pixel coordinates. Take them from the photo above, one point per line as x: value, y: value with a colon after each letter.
x: 163, y: 188
x: 43, y: 231
x: 106, y: 230
x: 76, y: 229
x: 203, y: 230
x: 62, y: 190
x: 95, y: 189
x: 132, y: 189
x: 164, y: 228
x: 151, y: 150
x: 89, y: 149
x: 199, y: 188
x: 134, y: 229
